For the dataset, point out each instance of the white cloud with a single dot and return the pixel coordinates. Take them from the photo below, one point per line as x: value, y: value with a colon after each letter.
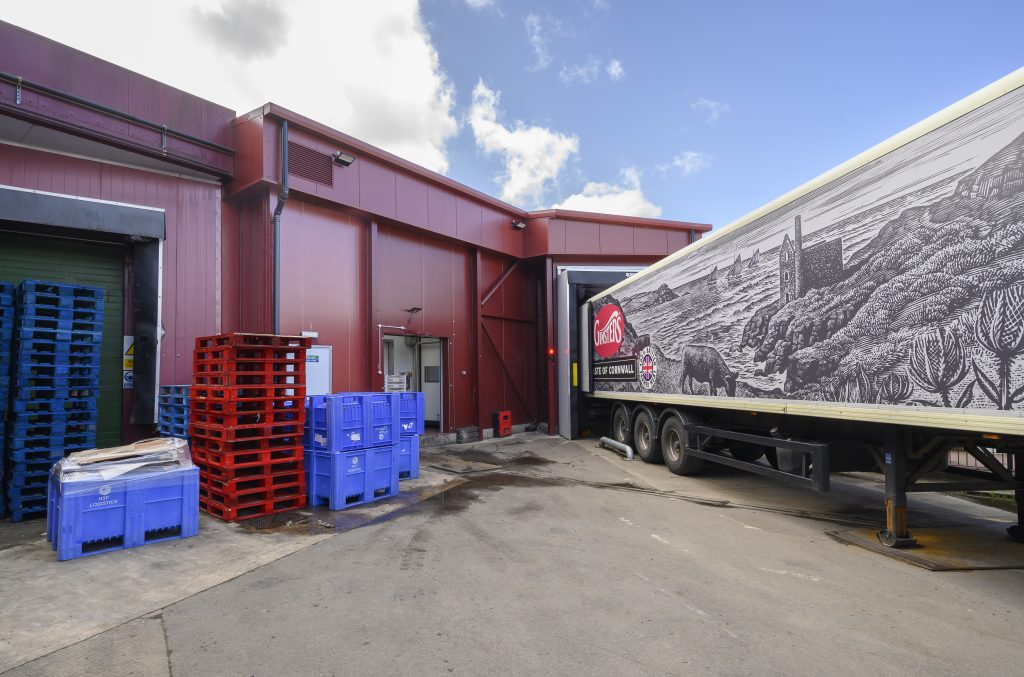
x: 689, y: 162
x: 480, y: 4
x: 585, y: 73
x: 532, y: 156
x: 625, y: 199
x: 538, y: 34
x: 603, y: 5
x: 712, y: 110
x: 615, y: 70
x: 385, y: 85
x: 590, y: 70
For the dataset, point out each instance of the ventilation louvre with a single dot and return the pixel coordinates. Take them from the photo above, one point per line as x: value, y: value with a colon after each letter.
x: 310, y: 164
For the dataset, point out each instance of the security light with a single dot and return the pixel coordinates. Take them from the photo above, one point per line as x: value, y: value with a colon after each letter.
x: 342, y: 159
x: 519, y: 225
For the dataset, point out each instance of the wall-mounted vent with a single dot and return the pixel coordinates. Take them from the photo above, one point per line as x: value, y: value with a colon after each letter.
x: 310, y: 164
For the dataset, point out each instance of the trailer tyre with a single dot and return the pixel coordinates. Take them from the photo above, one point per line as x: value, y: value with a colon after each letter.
x: 673, y: 448
x: 646, y: 443
x: 621, y: 430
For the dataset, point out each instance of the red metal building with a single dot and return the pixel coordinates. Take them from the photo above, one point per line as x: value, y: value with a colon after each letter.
x: 186, y: 193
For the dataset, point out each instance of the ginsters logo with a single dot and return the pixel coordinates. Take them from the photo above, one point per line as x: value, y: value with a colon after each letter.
x: 609, y: 330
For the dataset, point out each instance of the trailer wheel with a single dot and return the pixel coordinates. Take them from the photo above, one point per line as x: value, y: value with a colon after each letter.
x: 646, y: 443
x: 673, y: 444
x: 621, y: 431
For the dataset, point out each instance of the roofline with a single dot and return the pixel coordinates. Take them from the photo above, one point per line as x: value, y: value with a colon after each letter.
x: 381, y: 155
x: 616, y: 219
x: 352, y: 143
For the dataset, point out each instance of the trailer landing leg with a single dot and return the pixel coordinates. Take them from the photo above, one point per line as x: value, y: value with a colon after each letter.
x: 1016, y: 531
x: 896, y: 534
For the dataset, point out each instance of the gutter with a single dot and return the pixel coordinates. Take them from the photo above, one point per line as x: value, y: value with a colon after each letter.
x: 282, y: 198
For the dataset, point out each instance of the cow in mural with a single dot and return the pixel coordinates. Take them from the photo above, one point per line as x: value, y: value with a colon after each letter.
x: 704, y: 365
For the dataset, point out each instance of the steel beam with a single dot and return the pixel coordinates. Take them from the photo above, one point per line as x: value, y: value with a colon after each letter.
x: 896, y: 534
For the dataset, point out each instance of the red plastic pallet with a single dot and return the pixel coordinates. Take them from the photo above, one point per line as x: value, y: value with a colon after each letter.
x: 249, y: 419
x: 248, y: 486
x: 278, y: 467
x: 248, y: 433
x: 263, y: 353
x: 257, y: 379
x: 253, y: 340
x: 269, y: 405
x: 283, y: 367
x: 233, y: 393
x: 233, y: 460
x: 256, y: 496
x: 248, y: 512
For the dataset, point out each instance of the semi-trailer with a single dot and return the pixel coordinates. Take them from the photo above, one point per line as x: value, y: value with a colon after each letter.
x: 872, y: 318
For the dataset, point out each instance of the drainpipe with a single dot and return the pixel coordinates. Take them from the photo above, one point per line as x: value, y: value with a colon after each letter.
x: 282, y: 198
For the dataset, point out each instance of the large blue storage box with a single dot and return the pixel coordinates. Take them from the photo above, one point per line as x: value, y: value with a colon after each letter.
x: 409, y: 457
x: 412, y: 413
x: 88, y: 513
x: 342, y: 479
x: 350, y: 421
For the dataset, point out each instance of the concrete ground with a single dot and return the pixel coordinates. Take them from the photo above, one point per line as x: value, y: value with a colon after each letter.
x: 565, y: 559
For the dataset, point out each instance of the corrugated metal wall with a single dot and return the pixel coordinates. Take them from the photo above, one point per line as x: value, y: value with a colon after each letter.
x: 191, y: 256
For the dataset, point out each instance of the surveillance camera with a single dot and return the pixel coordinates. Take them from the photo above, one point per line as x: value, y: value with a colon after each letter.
x: 519, y: 225
x: 342, y: 159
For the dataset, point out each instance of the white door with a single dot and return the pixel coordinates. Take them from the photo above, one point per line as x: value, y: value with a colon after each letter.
x: 431, y: 380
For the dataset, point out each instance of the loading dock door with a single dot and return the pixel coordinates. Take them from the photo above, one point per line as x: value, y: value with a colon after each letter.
x: 574, y: 286
x: 53, y: 259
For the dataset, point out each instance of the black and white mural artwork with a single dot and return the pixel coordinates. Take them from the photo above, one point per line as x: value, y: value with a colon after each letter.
x: 899, y: 283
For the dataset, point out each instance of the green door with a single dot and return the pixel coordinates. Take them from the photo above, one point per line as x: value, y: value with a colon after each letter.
x: 37, y: 257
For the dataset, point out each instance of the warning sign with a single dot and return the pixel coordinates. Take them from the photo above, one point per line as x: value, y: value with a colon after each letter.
x: 128, y: 363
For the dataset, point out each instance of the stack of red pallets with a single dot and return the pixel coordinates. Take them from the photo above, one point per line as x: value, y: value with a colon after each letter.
x: 246, y: 419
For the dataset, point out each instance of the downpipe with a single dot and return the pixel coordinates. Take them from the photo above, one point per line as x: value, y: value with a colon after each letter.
x: 609, y: 443
x: 282, y: 198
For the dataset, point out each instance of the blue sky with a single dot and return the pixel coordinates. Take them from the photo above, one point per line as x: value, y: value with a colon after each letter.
x: 801, y: 86
x: 699, y: 111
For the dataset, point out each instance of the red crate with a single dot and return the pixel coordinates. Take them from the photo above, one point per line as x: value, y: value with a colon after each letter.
x: 234, y: 514
x: 249, y: 419
x: 253, y: 340
x: 253, y: 393
x: 248, y: 433
x: 260, y: 353
x: 202, y: 454
x: 266, y: 406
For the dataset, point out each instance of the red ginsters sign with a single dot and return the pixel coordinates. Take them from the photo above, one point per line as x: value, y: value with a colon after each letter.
x: 609, y: 330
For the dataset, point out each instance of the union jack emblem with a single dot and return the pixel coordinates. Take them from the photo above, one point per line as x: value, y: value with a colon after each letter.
x: 647, y: 368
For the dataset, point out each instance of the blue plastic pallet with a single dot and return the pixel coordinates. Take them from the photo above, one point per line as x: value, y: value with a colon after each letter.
x: 409, y: 457
x: 175, y: 390
x: 52, y: 358
x: 77, y: 441
x: 16, y: 456
x: 27, y: 508
x: 58, y: 336
x: 343, y: 479
x: 55, y: 324
x: 171, y: 430
x: 56, y: 370
x: 87, y: 518
x: 50, y: 394
x: 40, y: 406
x: 59, y: 288
x: 412, y: 408
x: 22, y: 381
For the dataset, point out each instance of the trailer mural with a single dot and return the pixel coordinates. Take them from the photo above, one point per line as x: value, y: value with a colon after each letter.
x: 899, y: 283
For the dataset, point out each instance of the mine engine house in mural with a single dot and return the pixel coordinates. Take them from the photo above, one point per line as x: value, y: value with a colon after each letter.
x: 802, y: 269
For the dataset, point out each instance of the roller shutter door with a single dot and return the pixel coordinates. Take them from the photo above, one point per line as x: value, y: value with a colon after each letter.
x: 87, y: 263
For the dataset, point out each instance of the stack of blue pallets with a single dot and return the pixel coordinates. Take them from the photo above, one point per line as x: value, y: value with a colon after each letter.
x: 412, y: 427
x: 173, y: 416
x: 352, y: 448
x: 54, y: 385
x: 6, y: 330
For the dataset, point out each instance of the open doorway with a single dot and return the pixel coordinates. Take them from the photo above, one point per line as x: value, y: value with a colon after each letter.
x: 420, y: 361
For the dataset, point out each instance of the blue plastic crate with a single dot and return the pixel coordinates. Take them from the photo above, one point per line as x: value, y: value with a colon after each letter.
x: 87, y: 518
x: 383, y: 418
x: 411, y: 405
x: 336, y: 422
x: 409, y: 457
x: 343, y: 479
